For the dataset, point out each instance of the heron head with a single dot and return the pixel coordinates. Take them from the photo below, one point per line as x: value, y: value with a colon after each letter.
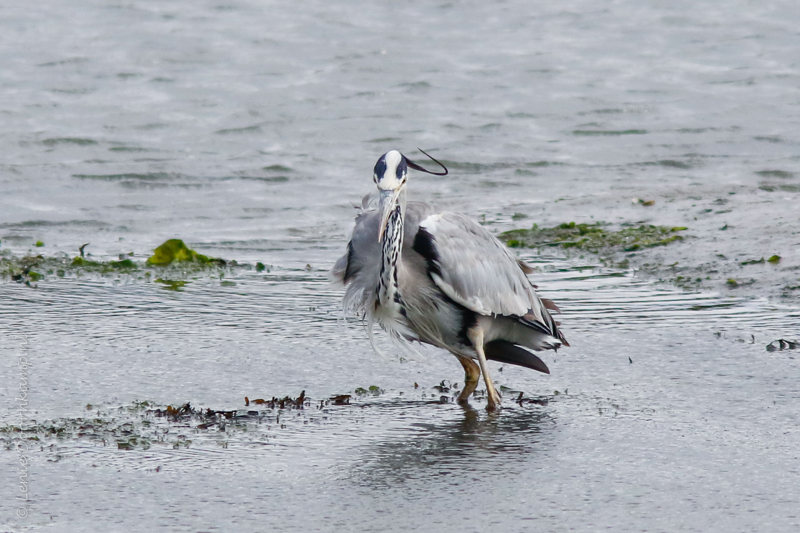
x: 390, y: 175
x: 391, y: 171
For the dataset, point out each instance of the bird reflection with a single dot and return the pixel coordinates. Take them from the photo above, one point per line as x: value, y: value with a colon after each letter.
x: 474, y: 443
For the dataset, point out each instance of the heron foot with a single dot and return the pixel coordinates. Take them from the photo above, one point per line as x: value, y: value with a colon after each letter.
x: 493, y: 400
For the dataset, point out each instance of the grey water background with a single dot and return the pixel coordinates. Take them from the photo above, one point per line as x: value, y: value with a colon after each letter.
x: 249, y: 129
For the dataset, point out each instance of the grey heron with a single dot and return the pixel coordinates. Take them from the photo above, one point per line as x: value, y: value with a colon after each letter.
x: 443, y: 279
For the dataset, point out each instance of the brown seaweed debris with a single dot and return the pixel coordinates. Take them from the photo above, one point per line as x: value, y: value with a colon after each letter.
x: 281, y: 403
x: 521, y: 400
x: 186, y: 412
x: 301, y: 402
x: 341, y: 399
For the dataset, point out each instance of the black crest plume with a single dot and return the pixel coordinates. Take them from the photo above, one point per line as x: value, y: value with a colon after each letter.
x: 415, y: 166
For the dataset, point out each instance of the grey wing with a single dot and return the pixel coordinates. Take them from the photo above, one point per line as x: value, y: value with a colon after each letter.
x: 477, y: 271
x: 359, y: 268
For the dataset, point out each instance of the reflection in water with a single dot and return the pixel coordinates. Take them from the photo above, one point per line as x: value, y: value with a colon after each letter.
x: 471, y: 444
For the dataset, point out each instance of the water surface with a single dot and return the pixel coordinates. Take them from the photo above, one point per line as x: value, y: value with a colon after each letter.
x: 249, y: 129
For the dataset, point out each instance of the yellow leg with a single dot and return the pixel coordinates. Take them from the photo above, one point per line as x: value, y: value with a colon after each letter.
x: 476, y: 338
x: 472, y: 373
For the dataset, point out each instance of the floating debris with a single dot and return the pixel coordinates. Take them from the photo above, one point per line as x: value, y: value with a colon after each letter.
x: 782, y: 344
x: 646, y: 203
x: 442, y: 387
x: 521, y: 400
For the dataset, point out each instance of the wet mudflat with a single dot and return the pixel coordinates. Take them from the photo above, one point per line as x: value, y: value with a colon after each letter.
x: 249, y: 131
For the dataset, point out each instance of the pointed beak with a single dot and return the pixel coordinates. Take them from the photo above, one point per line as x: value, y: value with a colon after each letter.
x: 388, y: 202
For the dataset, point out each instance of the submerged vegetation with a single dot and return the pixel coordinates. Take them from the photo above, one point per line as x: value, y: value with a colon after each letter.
x: 593, y: 237
x: 145, y: 424
x: 775, y: 259
x: 172, y: 257
x: 142, y: 425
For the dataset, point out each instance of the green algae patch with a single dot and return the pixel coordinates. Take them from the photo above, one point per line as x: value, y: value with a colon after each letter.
x: 83, y: 262
x: 775, y: 259
x: 124, y: 264
x: 593, y: 237
x: 175, y: 250
x: 373, y: 390
x: 173, y: 263
x: 171, y: 284
x: 103, y: 266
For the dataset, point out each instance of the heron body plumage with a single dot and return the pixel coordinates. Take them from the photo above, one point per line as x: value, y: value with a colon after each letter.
x: 442, y: 279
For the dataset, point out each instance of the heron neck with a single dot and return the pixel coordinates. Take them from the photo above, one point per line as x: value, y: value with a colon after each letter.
x: 391, y: 251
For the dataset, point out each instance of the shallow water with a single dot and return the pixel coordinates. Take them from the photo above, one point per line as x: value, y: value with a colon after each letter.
x: 664, y: 414
x: 249, y: 129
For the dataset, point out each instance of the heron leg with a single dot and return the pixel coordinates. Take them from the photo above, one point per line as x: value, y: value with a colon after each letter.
x: 475, y: 336
x: 472, y: 373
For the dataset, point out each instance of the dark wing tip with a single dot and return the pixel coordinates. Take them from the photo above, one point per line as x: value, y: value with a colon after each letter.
x: 507, y: 352
x: 549, y: 304
x: 525, y: 267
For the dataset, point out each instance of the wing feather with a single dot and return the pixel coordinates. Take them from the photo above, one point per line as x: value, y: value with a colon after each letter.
x: 477, y: 271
